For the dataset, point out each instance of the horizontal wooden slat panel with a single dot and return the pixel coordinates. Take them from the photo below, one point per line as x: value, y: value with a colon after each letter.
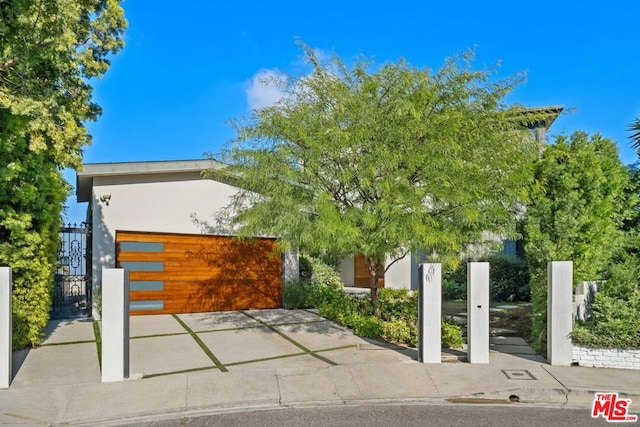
x: 205, y: 273
x: 362, y: 276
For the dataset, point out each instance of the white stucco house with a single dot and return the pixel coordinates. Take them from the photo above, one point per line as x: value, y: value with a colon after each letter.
x: 137, y: 210
x: 140, y: 214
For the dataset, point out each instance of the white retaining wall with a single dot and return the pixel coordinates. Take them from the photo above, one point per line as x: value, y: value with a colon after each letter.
x: 598, y: 357
x: 606, y: 358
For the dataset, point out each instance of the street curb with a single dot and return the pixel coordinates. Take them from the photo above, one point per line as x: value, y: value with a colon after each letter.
x: 549, y: 396
x: 231, y: 408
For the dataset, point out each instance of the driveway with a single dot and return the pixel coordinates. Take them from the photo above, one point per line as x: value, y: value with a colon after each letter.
x: 223, y: 341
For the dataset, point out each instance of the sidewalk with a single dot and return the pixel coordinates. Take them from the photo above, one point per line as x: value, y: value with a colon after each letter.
x: 268, y: 359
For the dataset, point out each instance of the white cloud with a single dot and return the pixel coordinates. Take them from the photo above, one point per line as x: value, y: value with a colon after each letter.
x: 322, y: 54
x: 265, y: 88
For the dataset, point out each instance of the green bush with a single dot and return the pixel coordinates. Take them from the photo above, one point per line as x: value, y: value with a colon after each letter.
x: 352, y: 312
x: 452, y: 290
x: 587, y: 336
x: 46, y: 102
x: 614, y: 320
x: 458, y: 276
x: 397, y: 304
x: 451, y: 334
x: 336, y: 306
x: 366, y: 326
x: 296, y: 294
x: 304, y: 267
x: 317, y: 283
x: 509, y: 278
x: 615, y: 312
x: 399, y: 316
x: 319, y: 273
x: 398, y: 331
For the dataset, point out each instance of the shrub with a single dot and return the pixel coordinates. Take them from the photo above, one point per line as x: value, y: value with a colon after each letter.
x: 615, y: 312
x: 452, y: 290
x: 366, y: 326
x: 318, y: 282
x: 304, y: 267
x: 459, y: 277
x: 585, y: 335
x: 318, y: 274
x: 336, y: 305
x: 399, y: 312
x: 614, y: 323
x: 509, y: 278
x: 397, y: 331
x: 296, y: 294
x: 451, y: 334
x: 397, y: 304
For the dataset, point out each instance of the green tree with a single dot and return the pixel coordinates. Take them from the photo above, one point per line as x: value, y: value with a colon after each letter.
x: 49, y: 51
x: 381, y: 160
x: 578, y: 206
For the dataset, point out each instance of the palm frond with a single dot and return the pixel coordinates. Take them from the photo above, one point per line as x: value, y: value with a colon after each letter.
x: 635, y: 136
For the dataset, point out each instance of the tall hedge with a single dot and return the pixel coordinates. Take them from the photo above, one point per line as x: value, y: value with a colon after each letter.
x: 49, y: 52
x: 31, y: 195
x: 577, y: 207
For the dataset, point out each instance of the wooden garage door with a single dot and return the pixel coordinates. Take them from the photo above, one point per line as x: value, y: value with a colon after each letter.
x: 178, y: 273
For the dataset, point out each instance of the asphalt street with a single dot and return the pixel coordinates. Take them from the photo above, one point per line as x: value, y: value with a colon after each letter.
x: 391, y: 415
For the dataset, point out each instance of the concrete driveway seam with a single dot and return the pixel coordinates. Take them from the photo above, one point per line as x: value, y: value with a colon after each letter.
x: 291, y: 340
x: 202, y: 345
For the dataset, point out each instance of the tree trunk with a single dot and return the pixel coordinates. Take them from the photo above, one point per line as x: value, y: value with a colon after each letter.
x: 374, y: 268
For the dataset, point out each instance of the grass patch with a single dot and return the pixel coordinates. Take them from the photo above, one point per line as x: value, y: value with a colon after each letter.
x: 159, y: 335
x: 51, y: 344
x: 202, y: 345
x: 291, y: 340
x: 184, y: 371
x: 96, y: 333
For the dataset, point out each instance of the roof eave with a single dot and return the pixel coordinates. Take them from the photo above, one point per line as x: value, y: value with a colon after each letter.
x: 84, y: 178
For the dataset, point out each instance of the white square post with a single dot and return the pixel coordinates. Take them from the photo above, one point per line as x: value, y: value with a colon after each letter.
x: 6, y: 347
x: 115, y: 324
x: 290, y: 265
x: 478, y: 312
x: 559, y: 312
x: 430, y: 314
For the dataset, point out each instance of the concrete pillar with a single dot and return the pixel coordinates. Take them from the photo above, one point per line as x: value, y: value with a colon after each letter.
x: 478, y: 312
x: 115, y: 324
x: 290, y: 265
x: 430, y: 314
x: 6, y: 347
x: 559, y: 312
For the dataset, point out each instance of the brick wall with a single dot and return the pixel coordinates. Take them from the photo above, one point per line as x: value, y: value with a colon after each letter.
x: 606, y: 358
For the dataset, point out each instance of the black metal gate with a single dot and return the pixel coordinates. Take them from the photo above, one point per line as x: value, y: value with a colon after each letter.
x: 72, y: 285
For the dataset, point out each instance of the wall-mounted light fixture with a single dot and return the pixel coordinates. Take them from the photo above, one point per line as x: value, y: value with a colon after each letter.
x: 104, y: 198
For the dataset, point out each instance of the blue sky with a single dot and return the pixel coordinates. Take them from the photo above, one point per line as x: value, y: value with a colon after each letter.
x: 187, y: 68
